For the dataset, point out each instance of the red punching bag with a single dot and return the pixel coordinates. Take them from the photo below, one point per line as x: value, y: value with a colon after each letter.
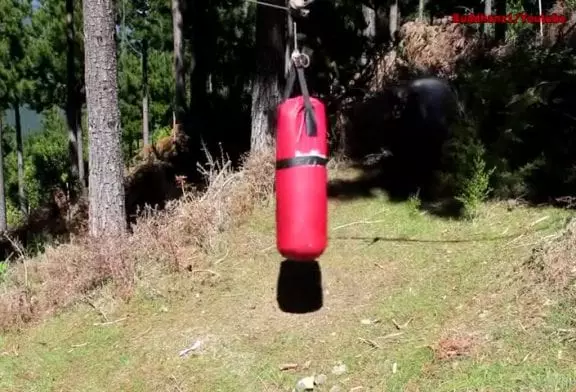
x: 301, y: 179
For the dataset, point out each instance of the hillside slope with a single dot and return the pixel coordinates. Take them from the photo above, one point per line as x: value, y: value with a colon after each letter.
x: 411, y: 303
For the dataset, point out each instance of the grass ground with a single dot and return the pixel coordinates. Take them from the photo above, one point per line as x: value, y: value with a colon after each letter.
x: 432, y: 305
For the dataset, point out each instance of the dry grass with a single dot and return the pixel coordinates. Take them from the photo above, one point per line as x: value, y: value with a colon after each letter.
x: 176, y: 239
x: 387, y: 68
x: 437, y: 48
x: 561, y: 32
x: 554, y: 262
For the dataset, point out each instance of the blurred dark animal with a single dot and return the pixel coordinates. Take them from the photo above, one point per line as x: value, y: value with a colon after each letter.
x: 411, y: 122
x: 428, y: 108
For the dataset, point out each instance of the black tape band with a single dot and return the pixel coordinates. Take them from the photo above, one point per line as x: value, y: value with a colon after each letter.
x: 309, y: 160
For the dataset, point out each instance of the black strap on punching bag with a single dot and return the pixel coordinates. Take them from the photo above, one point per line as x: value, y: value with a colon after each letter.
x: 299, y: 61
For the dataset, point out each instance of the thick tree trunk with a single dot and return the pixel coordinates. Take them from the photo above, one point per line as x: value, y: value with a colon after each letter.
x: 107, y: 213
x: 179, y: 70
x: 73, y: 103
x: 3, y: 220
x: 266, y: 89
x: 20, y: 154
x: 145, y: 118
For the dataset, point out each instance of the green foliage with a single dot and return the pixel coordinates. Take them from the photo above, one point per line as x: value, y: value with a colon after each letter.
x: 414, y: 203
x: 474, y: 187
x: 3, y: 271
x: 161, y: 133
x: 14, y: 46
x: 524, y: 119
x: 48, y: 54
x: 45, y: 162
x: 160, y: 81
x: 47, y: 154
x: 465, y: 169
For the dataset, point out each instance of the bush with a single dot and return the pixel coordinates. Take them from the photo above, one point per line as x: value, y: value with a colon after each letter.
x: 172, y: 239
x: 475, y: 187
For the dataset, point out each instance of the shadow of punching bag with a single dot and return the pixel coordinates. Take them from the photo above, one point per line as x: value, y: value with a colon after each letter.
x: 299, y: 288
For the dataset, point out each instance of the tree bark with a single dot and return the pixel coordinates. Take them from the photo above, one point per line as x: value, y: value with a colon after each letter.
x: 107, y: 213
x: 145, y: 111
x: 421, y: 6
x: 80, y: 148
x: 20, y: 154
x: 369, y: 32
x: 202, y: 47
x: 266, y: 89
x: 500, y: 28
x: 3, y: 220
x: 393, y: 20
x: 72, y: 104
x: 369, y: 15
x: 179, y: 71
x: 488, y: 11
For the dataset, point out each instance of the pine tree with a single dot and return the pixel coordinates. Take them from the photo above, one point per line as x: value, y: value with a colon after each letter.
x: 57, y: 55
x: 107, y: 215
x: 14, y: 85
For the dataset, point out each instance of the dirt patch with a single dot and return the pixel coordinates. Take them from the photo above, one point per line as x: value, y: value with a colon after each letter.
x: 453, y: 347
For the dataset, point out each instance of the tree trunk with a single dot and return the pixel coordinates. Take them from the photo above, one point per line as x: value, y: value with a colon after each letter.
x: 20, y: 153
x: 179, y: 71
x: 488, y: 11
x: 72, y: 104
x: 3, y: 220
x: 500, y: 28
x: 80, y: 148
x: 107, y: 213
x: 421, y: 6
x: 369, y: 32
x: 369, y: 15
x: 287, y: 47
x: 541, y: 25
x: 145, y: 119
x: 202, y: 47
x: 266, y: 89
x: 393, y: 19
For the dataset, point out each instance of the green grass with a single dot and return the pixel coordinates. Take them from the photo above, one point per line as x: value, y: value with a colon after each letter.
x: 447, y: 279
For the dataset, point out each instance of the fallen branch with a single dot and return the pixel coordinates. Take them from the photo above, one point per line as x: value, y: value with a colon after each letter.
x: 363, y: 222
x: 392, y: 335
x: 207, y: 271
x: 398, y: 326
x: 110, y: 322
x: 288, y: 366
x: 371, y: 343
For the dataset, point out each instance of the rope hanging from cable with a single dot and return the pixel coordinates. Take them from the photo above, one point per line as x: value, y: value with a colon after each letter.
x: 298, y: 60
